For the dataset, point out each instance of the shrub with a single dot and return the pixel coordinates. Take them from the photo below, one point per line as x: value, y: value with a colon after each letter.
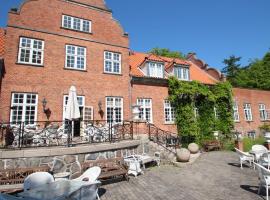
x: 228, y: 145
x: 249, y: 142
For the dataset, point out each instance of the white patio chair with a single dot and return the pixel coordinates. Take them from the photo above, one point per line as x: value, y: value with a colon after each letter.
x: 157, y: 158
x: 258, y: 150
x: 264, y: 177
x: 37, y: 179
x: 244, y: 156
x: 90, y: 176
x: 265, y: 160
x: 86, y: 192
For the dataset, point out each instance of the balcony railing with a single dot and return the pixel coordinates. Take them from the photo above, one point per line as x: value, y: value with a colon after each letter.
x: 62, y: 133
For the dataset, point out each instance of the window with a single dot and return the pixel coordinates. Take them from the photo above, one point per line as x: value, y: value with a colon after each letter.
x: 75, y: 57
x: 247, y: 111
x: 114, y: 109
x: 182, y: 73
x: 263, y: 112
x: 216, y: 114
x: 155, y: 70
x: 81, y: 102
x: 236, y: 116
x: 145, y: 109
x: 196, y: 112
x: 31, y: 51
x: 24, y: 108
x: 169, y: 112
x: 76, y: 24
x: 112, y: 62
x: 88, y: 113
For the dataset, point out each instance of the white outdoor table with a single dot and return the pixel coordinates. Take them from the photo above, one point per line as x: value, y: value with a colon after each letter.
x: 54, y: 190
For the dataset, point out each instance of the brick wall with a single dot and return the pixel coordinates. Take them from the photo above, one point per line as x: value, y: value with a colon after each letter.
x: 52, y: 81
x: 254, y: 97
x: 157, y: 94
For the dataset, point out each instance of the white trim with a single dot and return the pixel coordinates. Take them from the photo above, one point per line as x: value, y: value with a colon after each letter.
x: 122, y: 108
x: 248, y: 111
x: 31, y: 49
x: 92, y: 112
x: 76, y: 57
x: 112, y: 61
x: 182, y: 69
x: 171, y: 110
x: 236, y: 112
x: 262, y: 110
x: 144, y: 107
x: 81, y: 24
x: 24, y: 105
x: 156, y: 72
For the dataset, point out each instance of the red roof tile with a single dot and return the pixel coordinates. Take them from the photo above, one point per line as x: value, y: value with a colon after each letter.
x: 196, y: 73
x: 2, y: 42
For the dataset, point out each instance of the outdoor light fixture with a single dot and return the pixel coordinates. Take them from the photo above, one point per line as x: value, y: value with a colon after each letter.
x: 100, y: 105
x: 44, y: 103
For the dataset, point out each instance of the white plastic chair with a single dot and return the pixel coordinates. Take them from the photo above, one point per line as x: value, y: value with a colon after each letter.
x: 86, y: 192
x: 245, y: 156
x: 258, y: 151
x: 90, y: 176
x: 265, y: 160
x: 37, y: 179
x: 264, y: 176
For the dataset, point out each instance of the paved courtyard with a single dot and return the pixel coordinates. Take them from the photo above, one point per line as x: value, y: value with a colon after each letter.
x: 214, y: 176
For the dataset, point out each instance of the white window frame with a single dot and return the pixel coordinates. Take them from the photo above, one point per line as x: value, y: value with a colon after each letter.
x: 143, y: 107
x: 112, y: 61
x: 155, y: 69
x: 31, y: 49
x: 114, y: 106
x: 65, y: 105
x: 76, y: 56
x: 263, y: 112
x: 248, y: 112
x: 170, y: 111
x: 184, y: 72
x: 236, y: 116
x: 24, y: 105
x: 92, y: 112
x: 81, y: 24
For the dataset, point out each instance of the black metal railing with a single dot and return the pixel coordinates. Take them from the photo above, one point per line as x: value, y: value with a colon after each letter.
x: 162, y: 137
x: 62, y: 133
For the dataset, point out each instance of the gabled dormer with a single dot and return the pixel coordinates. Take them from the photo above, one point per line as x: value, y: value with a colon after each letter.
x: 181, y: 72
x: 153, y: 66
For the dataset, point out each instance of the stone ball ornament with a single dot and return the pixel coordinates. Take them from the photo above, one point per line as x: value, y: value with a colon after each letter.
x: 193, y: 148
x: 182, y: 155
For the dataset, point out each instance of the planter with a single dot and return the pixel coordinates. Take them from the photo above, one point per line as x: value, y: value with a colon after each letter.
x: 216, y: 133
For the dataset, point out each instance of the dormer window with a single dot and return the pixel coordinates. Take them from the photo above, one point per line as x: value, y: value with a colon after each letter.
x: 155, y: 70
x: 181, y: 72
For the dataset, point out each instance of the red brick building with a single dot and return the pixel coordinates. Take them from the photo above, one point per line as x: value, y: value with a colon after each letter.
x: 49, y: 45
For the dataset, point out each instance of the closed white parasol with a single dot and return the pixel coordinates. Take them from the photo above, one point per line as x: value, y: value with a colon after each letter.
x: 72, y: 109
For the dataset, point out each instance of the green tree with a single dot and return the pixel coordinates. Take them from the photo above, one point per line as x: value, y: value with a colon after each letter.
x: 231, y: 69
x: 167, y: 53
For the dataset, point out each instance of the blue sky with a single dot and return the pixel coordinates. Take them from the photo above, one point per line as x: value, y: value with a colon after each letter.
x: 214, y: 29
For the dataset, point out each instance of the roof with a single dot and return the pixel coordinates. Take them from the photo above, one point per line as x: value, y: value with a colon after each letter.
x: 196, y: 73
x: 2, y: 42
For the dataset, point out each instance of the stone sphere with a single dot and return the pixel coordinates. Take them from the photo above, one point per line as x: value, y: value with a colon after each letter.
x: 182, y: 155
x: 193, y: 148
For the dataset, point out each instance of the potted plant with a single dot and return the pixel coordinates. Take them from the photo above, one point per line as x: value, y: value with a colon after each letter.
x: 265, y: 128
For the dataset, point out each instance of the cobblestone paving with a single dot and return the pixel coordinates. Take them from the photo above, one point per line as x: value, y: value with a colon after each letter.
x: 214, y: 176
